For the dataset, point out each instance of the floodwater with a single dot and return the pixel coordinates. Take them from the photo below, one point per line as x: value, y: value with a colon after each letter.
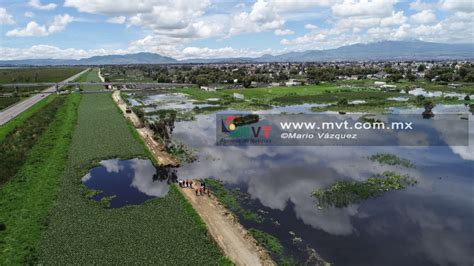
x: 431, y: 223
x: 128, y: 182
x: 429, y: 94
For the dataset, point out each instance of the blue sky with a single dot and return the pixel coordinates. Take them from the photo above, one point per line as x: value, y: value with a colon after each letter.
x: 216, y: 28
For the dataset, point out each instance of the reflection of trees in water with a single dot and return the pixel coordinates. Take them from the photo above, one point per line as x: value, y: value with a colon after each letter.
x: 165, y: 173
x: 428, y: 113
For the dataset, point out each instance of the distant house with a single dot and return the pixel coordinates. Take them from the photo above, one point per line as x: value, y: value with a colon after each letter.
x: 208, y: 88
x: 238, y: 96
x: 388, y: 87
x: 292, y: 82
x: 454, y: 85
x: 275, y: 84
x: 379, y: 83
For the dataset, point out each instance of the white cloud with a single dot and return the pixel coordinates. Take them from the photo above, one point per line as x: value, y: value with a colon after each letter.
x: 147, y: 44
x: 310, y: 26
x: 397, y: 18
x: 112, y: 7
x: 419, y: 5
x: 5, y: 18
x: 284, y: 32
x: 117, y: 20
x: 458, y: 5
x: 424, y: 17
x: 48, y: 51
x: 262, y: 17
x: 287, y: 6
x: 34, y: 29
x: 349, y: 8
x: 29, y: 14
x: 205, y: 52
x: 31, y: 29
x: 60, y: 22
x: 37, y: 4
x: 170, y: 26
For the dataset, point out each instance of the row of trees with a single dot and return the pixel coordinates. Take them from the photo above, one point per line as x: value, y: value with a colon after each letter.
x: 245, y: 74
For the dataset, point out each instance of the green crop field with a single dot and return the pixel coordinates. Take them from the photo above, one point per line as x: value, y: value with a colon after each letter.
x: 90, y: 76
x: 28, y: 197
x: 32, y: 75
x: 259, y: 93
x: 82, y: 231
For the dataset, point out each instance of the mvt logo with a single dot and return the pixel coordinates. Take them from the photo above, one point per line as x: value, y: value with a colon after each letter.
x: 245, y: 127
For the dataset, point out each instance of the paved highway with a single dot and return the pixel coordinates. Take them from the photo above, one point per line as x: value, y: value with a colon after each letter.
x: 18, y: 108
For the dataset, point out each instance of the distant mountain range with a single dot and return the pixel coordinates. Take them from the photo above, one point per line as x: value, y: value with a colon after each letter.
x: 386, y: 50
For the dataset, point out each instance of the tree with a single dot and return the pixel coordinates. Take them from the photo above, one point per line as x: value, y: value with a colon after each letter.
x: 410, y: 76
x: 164, y: 126
x: 247, y: 81
x: 395, y: 77
x: 202, y: 80
x: 421, y: 68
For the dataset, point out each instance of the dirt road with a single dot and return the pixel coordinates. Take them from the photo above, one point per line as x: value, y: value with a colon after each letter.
x: 231, y: 237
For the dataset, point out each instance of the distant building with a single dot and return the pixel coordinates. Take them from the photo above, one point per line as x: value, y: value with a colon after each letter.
x: 389, y: 87
x: 454, y: 85
x: 238, y: 96
x: 292, y: 82
x: 208, y: 88
x: 379, y: 83
x: 275, y: 84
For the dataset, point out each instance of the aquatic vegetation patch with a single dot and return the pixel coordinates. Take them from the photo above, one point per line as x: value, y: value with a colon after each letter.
x: 391, y: 159
x: 153, y: 232
x: 229, y: 198
x: 343, y: 193
x: 270, y: 242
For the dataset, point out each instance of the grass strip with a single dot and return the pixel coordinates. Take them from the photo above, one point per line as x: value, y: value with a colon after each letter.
x: 20, y: 119
x: 16, y: 146
x: 27, y: 199
x: 230, y: 200
x: 268, y: 241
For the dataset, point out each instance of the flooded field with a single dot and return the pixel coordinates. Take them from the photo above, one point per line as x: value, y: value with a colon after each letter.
x: 128, y: 182
x: 426, y: 224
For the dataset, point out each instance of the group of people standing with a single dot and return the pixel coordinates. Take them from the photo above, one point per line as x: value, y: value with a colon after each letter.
x: 200, y: 187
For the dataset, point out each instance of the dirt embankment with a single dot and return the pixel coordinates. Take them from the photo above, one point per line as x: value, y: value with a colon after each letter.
x: 234, y: 240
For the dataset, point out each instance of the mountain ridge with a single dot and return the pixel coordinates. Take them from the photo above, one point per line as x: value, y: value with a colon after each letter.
x: 375, y: 51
